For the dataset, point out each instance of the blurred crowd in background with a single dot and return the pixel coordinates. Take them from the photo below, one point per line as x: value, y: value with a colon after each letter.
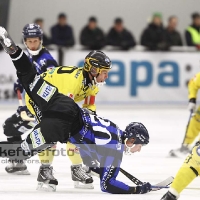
x: 154, y: 37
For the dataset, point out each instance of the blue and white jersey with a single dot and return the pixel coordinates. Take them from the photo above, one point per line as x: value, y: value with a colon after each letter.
x: 101, y: 140
x: 43, y: 61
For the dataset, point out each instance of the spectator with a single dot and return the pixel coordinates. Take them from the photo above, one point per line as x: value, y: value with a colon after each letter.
x: 40, y: 22
x: 92, y: 37
x: 120, y: 37
x: 172, y: 36
x: 192, y: 33
x: 153, y: 36
x: 62, y: 33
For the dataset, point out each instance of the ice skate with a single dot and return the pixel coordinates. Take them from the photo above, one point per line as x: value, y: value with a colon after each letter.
x: 169, y: 196
x: 46, y: 180
x: 6, y: 41
x: 17, y: 168
x: 79, y: 175
x: 181, y: 152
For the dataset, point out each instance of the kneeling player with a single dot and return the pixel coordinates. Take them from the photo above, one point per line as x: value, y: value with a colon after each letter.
x: 14, y: 127
x: 64, y: 120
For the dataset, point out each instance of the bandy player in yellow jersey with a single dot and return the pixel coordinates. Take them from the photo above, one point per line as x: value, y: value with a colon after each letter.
x: 191, y: 166
x: 193, y: 126
x: 186, y: 174
x: 79, y: 84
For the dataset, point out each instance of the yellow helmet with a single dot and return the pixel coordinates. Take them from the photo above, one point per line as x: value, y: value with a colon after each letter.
x: 95, y: 62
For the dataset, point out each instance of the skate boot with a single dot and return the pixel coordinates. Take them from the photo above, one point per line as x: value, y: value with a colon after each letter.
x: 79, y: 175
x: 180, y: 152
x: 169, y: 196
x: 6, y: 41
x: 17, y: 168
x: 46, y: 180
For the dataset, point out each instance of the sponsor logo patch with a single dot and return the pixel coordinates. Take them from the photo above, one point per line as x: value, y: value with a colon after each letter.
x: 37, y: 138
x: 46, y: 91
x: 70, y: 95
x: 51, y: 71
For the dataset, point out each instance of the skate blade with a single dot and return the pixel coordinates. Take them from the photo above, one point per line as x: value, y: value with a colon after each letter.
x: 79, y: 185
x: 175, y: 154
x: 46, y: 187
x: 24, y: 172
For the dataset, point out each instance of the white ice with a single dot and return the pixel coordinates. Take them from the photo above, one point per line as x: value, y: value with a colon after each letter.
x: 166, y: 127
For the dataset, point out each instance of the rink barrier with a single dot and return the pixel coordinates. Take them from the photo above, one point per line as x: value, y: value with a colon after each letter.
x: 136, y: 77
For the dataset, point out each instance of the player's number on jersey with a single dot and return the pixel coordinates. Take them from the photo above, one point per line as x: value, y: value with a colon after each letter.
x: 95, y: 119
x: 68, y: 70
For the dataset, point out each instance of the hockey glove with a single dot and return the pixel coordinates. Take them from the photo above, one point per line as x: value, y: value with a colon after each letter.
x: 144, y: 188
x: 18, y: 86
x: 192, y: 105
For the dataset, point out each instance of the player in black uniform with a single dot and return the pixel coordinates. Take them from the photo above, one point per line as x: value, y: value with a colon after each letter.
x: 64, y: 120
x: 14, y: 127
x: 41, y: 60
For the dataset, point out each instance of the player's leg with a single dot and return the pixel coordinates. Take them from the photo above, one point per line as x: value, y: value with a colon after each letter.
x: 14, y: 167
x: 78, y: 172
x: 192, y: 131
x: 186, y: 174
x: 46, y: 158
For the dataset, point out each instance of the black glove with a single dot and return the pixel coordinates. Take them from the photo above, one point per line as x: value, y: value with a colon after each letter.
x: 18, y: 86
x: 144, y: 188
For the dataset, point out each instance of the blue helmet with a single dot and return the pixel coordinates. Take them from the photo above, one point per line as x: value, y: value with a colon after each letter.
x: 32, y: 31
x: 137, y: 131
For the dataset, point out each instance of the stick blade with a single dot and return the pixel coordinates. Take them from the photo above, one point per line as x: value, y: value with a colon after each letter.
x: 163, y: 184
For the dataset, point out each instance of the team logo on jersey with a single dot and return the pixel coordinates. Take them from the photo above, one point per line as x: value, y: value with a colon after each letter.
x: 51, y: 71
x: 70, y: 95
x: 46, y: 91
x: 32, y: 85
x: 37, y: 138
x: 43, y: 62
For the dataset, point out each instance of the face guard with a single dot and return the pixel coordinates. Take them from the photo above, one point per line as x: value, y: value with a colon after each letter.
x: 95, y: 63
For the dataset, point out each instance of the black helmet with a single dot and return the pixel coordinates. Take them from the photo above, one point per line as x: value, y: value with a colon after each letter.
x: 32, y: 31
x: 96, y: 61
x: 137, y: 131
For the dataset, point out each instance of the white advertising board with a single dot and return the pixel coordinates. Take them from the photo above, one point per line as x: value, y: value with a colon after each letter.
x: 136, y: 77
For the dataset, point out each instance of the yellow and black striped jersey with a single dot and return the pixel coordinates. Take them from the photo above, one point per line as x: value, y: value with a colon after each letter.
x: 73, y: 82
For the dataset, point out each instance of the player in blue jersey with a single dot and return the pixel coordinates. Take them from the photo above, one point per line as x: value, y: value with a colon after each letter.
x: 41, y: 60
x: 63, y: 120
x: 39, y: 56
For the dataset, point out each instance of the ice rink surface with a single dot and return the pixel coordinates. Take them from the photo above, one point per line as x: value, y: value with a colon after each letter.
x: 166, y: 126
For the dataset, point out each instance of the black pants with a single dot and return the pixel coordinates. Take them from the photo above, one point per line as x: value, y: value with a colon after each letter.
x: 61, y: 115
